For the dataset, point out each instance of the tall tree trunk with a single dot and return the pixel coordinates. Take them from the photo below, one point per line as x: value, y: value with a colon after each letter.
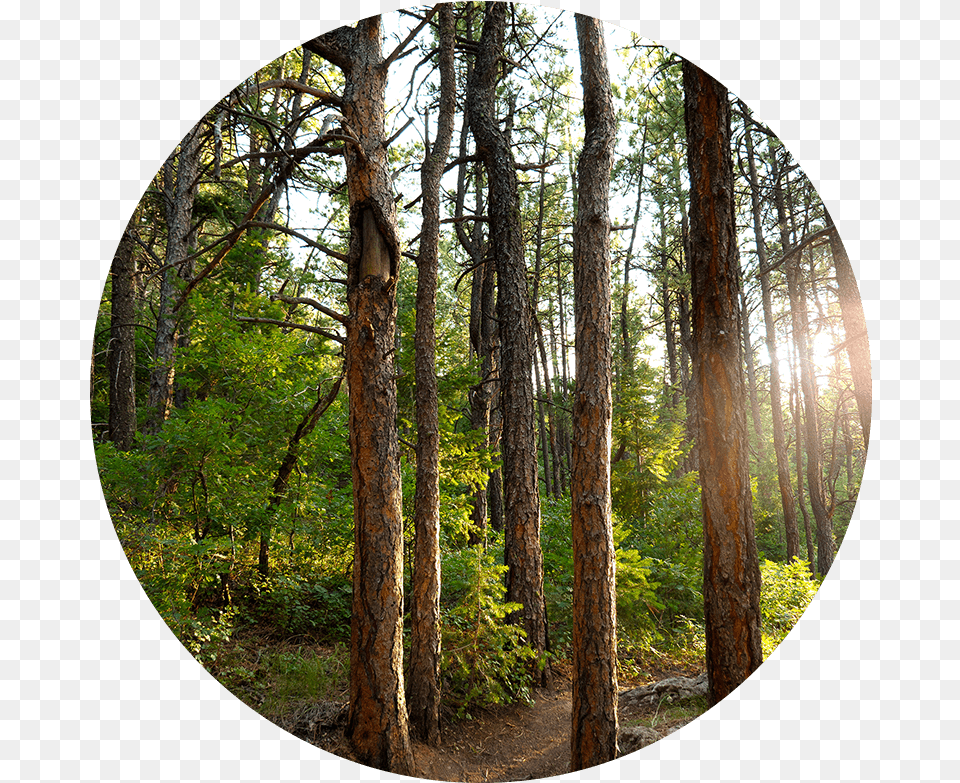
x: 551, y: 428
x: 731, y: 581
x: 523, y: 555
x: 801, y: 332
x: 855, y: 326
x: 179, y: 190
x: 795, y: 405
x: 540, y: 389
x: 776, y: 406
x: 423, y: 689
x: 595, y: 725
x: 377, y: 728
x: 686, y: 361
x: 751, y: 378
x: 122, y: 348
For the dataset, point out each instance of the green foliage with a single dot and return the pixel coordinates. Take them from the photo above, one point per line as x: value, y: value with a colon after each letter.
x: 298, y: 606
x: 638, y: 600
x: 666, y: 530
x: 486, y: 660
x: 786, y: 591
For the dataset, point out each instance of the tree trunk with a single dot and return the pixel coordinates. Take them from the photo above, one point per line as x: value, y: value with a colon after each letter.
x: 686, y: 341
x: 795, y: 412
x: 855, y: 326
x: 523, y: 556
x: 179, y: 190
x: 752, y: 382
x: 731, y: 572
x: 377, y: 728
x: 595, y: 725
x: 423, y: 690
x: 776, y: 406
x: 122, y: 349
x: 801, y: 331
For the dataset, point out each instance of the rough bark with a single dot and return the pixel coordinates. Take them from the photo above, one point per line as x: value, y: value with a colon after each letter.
x: 731, y: 588
x: 521, y: 490
x: 423, y: 689
x: 595, y: 726
x: 377, y: 728
x: 776, y: 406
x: 179, y: 190
x: 121, y: 351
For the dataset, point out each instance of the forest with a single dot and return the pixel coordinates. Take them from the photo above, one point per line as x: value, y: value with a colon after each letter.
x: 474, y: 350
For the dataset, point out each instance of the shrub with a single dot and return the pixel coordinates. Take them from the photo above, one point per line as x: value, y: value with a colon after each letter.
x: 786, y: 591
x: 485, y: 660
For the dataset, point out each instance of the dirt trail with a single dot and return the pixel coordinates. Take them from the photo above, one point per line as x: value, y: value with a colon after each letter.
x: 517, y: 742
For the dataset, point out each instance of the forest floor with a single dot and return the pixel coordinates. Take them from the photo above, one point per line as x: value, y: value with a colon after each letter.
x: 517, y: 741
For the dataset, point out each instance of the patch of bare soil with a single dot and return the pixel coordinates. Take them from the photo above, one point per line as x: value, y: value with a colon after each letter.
x: 525, y: 742
x: 513, y: 742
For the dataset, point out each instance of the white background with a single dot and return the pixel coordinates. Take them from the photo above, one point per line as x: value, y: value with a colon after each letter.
x: 95, y: 95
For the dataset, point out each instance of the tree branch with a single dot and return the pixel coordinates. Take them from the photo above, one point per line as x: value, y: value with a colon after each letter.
x: 290, y: 325
x: 294, y: 233
x: 406, y: 41
x: 304, y: 300
x: 292, y: 84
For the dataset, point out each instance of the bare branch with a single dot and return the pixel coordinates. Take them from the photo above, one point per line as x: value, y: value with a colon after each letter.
x: 406, y: 41
x: 289, y: 325
x: 292, y: 84
x: 305, y: 300
x: 305, y: 239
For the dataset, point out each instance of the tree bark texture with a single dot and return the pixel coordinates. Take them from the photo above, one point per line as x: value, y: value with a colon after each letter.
x: 122, y: 349
x: 731, y: 572
x: 423, y: 689
x: 377, y: 727
x: 179, y: 190
x: 521, y: 490
x: 595, y: 725
x: 776, y: 406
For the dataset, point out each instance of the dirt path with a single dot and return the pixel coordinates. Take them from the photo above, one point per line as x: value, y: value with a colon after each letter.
x: 517, y: 742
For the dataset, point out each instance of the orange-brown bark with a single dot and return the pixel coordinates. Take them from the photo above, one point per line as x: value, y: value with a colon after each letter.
x: 377, y: 722
x: 731, y: 579
x: 594, y: 714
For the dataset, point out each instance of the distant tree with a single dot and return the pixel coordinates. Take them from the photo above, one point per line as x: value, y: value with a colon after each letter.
x: 808, y: 382
x: 521, y: 490
x: 595, y: 727
x: 122, y: 349
x: 423, y: 694
x: 776, y: 406
x: 731, y: 572
x: 179, y: 192
x: 855, y: 324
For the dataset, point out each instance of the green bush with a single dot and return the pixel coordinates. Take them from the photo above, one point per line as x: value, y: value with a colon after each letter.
x: 297, y: 606
x: 485, y: 660
x: 786, y: 591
